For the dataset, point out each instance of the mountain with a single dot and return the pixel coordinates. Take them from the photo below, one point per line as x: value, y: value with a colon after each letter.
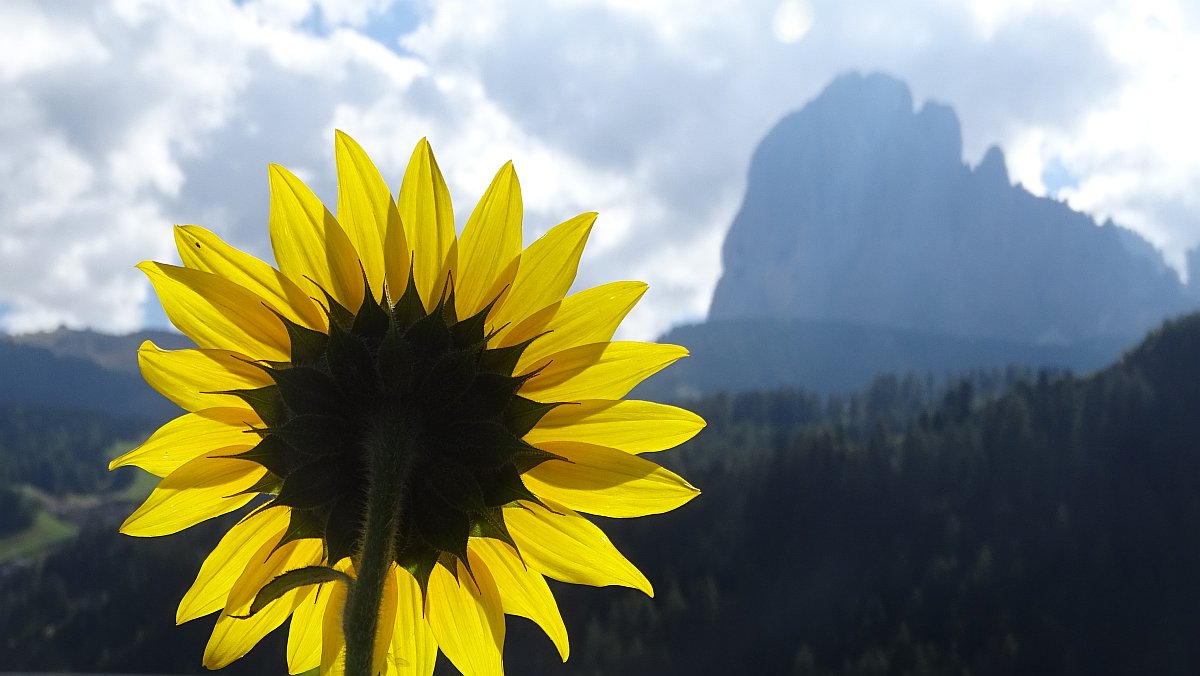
x: 110, y: 352
x: 859, y: 208
x: 864, y: 243
x: 82, y: 370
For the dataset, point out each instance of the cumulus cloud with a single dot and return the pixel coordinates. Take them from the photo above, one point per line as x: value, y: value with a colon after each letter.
x: 142, y: 114
x: 1139, y: 159
x: 121, y: 117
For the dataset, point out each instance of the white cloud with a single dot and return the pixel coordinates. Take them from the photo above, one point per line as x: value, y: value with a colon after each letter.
x: 172, y: 124
x: 1146, y: 167
x: 123, y: 117
x: 33, y: 42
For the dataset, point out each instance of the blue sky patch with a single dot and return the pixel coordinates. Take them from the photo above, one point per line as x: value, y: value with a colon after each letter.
x: 1056, y: 177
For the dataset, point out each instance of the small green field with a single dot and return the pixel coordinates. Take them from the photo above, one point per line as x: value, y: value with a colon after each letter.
x: 52, y: 524
x: 45, y: 532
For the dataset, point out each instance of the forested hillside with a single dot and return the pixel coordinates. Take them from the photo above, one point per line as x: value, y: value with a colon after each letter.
x: 1055, y: 530
x: 1010, y: 524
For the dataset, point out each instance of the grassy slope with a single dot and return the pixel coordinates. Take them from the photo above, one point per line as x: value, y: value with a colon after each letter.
x: 48, y: 530
x: 45, y: 532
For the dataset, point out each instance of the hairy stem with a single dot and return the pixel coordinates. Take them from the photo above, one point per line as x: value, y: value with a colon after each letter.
x: 390, y: 452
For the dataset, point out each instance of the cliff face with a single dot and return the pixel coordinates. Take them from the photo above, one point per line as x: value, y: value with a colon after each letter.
x: 859, y: 209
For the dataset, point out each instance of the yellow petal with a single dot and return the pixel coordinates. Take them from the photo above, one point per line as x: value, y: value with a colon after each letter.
x: 234, y: 637
x: 590, y: 316
x: 226, y: 562
x: 216, y: 313
x: 545, y: 274
x: 310, y: 246
x: 201, y: 250
x: 629, y: 425
x: 269, y: 562
x: 606, y: 482
x: 315, y: 638
x: 397, y: 259
x: 365, y: 207
x: 428, y: 218
x: 304, y: 631
x: 333, y: 641
x: 197, y: 491
x: 387, y: 624
x: 569, y: 548
x: 490, y: 242
x: 414, y: 649
x: 467, y: 618
x: 191, y: 378
x: 191, y: 436
x: 523, y: 591
x: 598, y: 370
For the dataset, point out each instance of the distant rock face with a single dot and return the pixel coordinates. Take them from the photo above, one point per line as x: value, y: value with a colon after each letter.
x: 109, y: 352
x: 859, y: 209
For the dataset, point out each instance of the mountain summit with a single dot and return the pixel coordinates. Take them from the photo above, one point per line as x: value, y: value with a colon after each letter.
x: 860, y: 209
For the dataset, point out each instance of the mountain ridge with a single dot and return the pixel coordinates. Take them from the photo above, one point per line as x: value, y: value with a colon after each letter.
x: 109, y: 351
x: 73, y: 370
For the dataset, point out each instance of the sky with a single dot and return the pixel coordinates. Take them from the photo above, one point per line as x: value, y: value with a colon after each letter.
x: 119, y: 118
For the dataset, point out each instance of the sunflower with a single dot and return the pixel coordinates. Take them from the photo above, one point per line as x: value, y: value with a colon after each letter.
x: 412, y: 421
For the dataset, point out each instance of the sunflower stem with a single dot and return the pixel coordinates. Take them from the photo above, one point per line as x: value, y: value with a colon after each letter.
x: 390, y: 451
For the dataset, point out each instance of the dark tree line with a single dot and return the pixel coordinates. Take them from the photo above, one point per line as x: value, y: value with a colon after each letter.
x: 61, y: 451
x: 16, y: 513
x: 106, y: 603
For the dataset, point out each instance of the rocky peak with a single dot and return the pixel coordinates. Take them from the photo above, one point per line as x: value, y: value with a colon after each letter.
x: 859, y: 208
x: 992, y: 168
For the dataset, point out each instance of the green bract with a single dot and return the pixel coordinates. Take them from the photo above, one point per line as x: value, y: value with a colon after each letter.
x: 426, y: 380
